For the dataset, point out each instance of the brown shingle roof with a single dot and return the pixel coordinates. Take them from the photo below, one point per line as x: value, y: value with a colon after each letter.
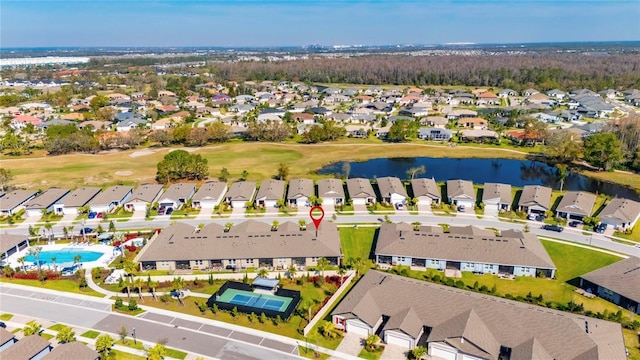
x: 460, y: 189
x: 468, y: 243
x: 511, y: 323
x: 46, y: 199
x: 210, y: 190
x: 72, y: 351
x: 248, y: 240
x: 391, y: 185
x: 271, y: 190
x: 495, y: 191
x: 619, y: 277
x: 80, y: 196
x: 330, y: 188
x: 577, y: 202
x: 300, y: 187
x: 15, y: 198
x: 425, y: 187
x: 241, y: 191
x: 621, y: 210
x: 26, y: 348
x: 535, y: 195
x: 146, y: 193
x: 360, y: 188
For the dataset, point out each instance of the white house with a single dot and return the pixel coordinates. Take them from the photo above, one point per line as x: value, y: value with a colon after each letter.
x: 497, y: 196
x: 360, y: 191
x: 269, y: 193
x: 143, y: 196
x: 331, y: 191
x: 621, y: 214
x: 177, y: 195
x: 111, y: 198
x: 426, y: 191
x: 210, y: 195
x: 240, y: 193
x: 299, y: 192
x: 461, y: 193
x: 391, y: 190
x: 78, y: 198
x: 45, y: 201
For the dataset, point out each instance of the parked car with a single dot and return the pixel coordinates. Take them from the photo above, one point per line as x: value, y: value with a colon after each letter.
x: 531, y: 216
x: 161, y: 210
x: 92, y: 215
x: 3, y: 325
x: 99, y: 216
x: 555, y: 228
x: 461, y: 208
x: 540, y: 218
x: 601, y: 228
x: 169, y: 211
x: 575, y: 223
x: 86, y: 231
x: 400, y: 206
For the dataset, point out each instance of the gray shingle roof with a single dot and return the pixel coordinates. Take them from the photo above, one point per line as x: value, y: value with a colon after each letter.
x: 619, y: 277
x: 241, y: 191
x: 210, y: 190
x: 330, y: 188
x: 300, y: 188
x: 80, y: 196
x: 577, y: 202
x: 535, y: 195
x: 248, y: 240
x: 26, y: 348
x: 114, y: 193
x: 46, y: 199
x: 9, y: 241
x: 73, y: 350
x: 146, y: 193
x: 460, y: 189
x: 15, y: 198
x: 621, y: 210
x: 391, y: 185
x: 271, y: 190
x: 495, y: 191
x: 512, y: 324
x: 179, y: 191
x: 360, y: 188
x: 425, y: 187
x: 464, y: 244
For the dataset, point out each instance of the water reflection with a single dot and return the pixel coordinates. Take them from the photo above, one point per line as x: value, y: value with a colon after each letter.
x: 515, y: 172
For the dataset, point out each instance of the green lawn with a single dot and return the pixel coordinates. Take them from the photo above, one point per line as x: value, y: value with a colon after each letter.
x: 357, y: 242
x: 633, y: 236
x: 310, y: 354
x: 56, y: 327
x: 121, y: 355
x: 632, y: 342
x: 91, y: 334
x: 371, y: 355
x: 59, y: 285
x: 572, y: 261
x: 6, y: 317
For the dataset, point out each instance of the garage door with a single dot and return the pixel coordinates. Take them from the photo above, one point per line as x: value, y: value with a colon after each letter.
x: 357, y: 329
x: 448, y: 355
x: 391, y: 338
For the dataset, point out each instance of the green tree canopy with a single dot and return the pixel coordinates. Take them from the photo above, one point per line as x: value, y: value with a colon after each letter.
x: 179, y: 164
x: 603, y: 150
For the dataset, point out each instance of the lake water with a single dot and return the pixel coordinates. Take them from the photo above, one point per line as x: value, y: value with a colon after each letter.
x: 515, y: 172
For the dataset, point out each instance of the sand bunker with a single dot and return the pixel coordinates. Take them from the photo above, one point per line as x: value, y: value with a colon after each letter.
x: 124, y: 173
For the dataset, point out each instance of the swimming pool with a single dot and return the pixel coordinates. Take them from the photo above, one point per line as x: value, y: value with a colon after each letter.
x: 65, y: 256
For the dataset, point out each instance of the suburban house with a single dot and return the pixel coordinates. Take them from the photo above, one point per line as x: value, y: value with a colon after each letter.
x: 614, y: 283
x: 299, y: 192
x: 45, y: 201
x: 620, y: 214
x: 575, y: 205
x: 512, y: 253
x: 331, y: 191
x: 426, y: 191
x: 435, y: 134
x: 458, y: 324
x: 210, y: 195
x: 177, y: 195
x: 248, y: 244
x: 12, y: 244
x: 15, y: 201
x: 110, y: 199
x: 77, y: 199
x: 7, y: 339
x: 478, y: 135
x: 72, y: 350
x: 33, y: 347
x: 360, y: 191
x: 240, y: 193
x: 145, y: 195
x: 269, y: 193
x: 461, y: 193
x: 392, y: 190
x: 497, y: 196
x: 535, y: 199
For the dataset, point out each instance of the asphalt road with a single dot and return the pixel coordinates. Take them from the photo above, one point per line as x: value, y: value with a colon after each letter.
x: 189, y: 336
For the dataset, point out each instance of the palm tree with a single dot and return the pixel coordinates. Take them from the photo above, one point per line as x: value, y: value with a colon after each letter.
x: 292, y: 271
x: 35, y: 252
x: 53, y: 261
x: 65, y: 335
x: 561, y: 173
x: 228, y: 226
x: 157, y: 352
x: 21, y: 261
x: 77, y: 259
x: 341, y: 273
x: 263, y: 273
x: 127, y: 283
x: 302, y: 223
x: 65, y: 231
x: 371, y: 341
x: 178, y: 285
x: 322, y: 264
x: 49, y: 227
x: 152, y: 284
x: 274, y: 225
x: 32, y: 328
x: 104, y: 343
x: 418, y: 352
x: 137, y: 283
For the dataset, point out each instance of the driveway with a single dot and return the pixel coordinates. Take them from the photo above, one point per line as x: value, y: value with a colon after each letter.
x: 491, y: 211
x: 394, y: 352
x: 351, y: 344
x: 204, y: 214
x: 424, y: 209
x: 360, y: 208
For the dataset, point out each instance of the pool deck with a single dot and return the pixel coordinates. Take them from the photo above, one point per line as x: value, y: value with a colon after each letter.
x: 103, y: 261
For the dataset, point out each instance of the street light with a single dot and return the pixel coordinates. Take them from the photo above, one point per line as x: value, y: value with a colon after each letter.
x: 134, y: 336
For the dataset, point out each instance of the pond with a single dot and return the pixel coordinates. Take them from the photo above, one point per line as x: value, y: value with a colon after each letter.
x: 518, y: 173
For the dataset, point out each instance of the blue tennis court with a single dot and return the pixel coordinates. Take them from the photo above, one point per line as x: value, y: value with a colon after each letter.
x: 255, y: 300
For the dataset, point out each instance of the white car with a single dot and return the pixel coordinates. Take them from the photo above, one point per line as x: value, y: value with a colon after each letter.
x: 400, y: 206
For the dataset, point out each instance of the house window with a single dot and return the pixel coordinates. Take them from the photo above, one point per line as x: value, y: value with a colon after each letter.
x: 314, y: 259
x: 434, y: 262
x: 232, y: 262
x: 198, y: 262
x: 164, y: 263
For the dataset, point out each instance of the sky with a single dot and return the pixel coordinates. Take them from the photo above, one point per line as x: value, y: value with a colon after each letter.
x: 237, y: 23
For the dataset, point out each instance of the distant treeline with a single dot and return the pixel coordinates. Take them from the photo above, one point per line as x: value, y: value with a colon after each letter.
x: 518, y: 72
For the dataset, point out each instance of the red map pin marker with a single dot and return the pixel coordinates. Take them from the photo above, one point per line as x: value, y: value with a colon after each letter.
x: 316, y: 220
